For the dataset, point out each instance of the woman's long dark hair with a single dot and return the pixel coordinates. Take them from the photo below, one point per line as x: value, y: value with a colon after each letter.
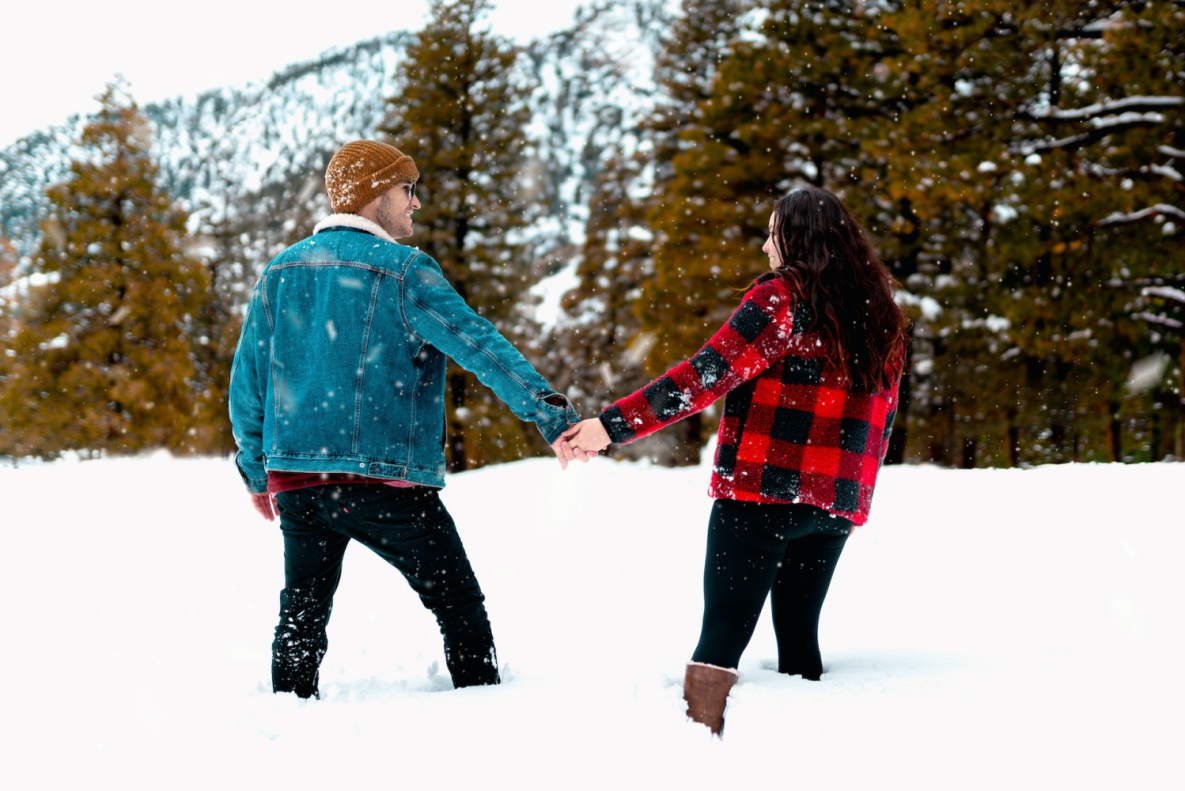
x: 829, y: 262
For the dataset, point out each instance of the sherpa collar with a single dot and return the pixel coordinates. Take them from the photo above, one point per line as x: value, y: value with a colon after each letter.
x: 355, y: 221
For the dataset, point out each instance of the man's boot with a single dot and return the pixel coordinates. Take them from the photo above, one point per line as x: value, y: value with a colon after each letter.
x: 473, y: 663
x: 705, y: 688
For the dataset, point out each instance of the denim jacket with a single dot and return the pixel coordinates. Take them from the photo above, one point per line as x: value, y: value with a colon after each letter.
x: 341, y: 363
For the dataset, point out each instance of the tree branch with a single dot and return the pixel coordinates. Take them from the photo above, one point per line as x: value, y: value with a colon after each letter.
x: 1124, y: 218
x: 1132, y: 104
x: 1164, y: 321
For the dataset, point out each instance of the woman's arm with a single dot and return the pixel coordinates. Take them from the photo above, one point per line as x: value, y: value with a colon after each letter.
x: 757, y: 334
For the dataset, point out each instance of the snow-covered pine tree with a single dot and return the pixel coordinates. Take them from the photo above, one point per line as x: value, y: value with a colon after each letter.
x: 1023, y: 126
x: 462, y: 114
x: 104, y: 356
x: 8, y: 263
x: 704, y: 225
x: 939, y: 123
x: 1135, y: 157
x: 597, y: 350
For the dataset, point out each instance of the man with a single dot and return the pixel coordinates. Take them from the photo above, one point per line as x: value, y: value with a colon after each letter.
x: 337, y: 404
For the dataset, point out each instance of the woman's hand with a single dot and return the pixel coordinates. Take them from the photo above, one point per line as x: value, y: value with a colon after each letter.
x: 587, y: 435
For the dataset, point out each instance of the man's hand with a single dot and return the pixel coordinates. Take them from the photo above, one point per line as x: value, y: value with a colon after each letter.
x: 265, y: 504
x: 566, y: 453
x: 588, y: 436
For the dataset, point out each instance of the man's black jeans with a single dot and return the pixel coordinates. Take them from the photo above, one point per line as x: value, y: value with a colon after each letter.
x: 410, y: 529
x: 785, y: 551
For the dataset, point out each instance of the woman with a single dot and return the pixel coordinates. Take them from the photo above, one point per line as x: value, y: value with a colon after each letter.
x: 809, y: 364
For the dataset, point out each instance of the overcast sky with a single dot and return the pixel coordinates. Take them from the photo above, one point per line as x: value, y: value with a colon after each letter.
x: 55, y: 57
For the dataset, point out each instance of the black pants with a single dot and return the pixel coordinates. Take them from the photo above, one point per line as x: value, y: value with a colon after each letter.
x: 787, y: 552
x: 408, y: 528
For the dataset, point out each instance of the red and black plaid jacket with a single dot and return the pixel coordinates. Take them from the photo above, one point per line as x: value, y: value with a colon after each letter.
x: 792, y: 430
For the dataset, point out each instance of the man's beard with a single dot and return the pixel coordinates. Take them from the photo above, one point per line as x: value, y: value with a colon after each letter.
x: 397, y: 224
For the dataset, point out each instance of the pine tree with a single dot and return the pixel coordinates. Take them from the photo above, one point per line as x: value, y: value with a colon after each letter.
x: 597, y: 349
x: 105, y: 351
x: 9, y: 258
x: 461, y: 114
x: 8, y: 324
x: 985, y: 145
x: 1017, y: 135
x: 703, y: 238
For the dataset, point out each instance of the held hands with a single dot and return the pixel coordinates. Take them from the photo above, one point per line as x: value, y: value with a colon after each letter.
x: 580, y: 442
x: 566, y: 453
x: 588, y: 436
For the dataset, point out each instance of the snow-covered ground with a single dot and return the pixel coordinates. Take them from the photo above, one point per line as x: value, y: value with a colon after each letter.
x: 987, y: 629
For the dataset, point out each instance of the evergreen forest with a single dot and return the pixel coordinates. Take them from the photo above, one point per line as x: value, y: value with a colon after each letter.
x: 1018, y: 165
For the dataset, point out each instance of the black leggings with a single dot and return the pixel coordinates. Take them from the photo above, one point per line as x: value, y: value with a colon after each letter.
x: 786, y: 551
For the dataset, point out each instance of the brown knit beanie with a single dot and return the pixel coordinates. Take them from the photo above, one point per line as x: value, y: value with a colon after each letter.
x: 363, y: 170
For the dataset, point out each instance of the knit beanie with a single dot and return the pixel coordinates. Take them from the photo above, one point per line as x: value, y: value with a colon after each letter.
x: 363, y: 170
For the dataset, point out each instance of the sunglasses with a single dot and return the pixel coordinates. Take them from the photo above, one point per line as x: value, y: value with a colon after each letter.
x: 410, y: 189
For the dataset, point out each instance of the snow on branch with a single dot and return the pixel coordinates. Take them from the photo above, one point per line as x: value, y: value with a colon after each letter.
x: 1169, y: 151
x: 1132, y: 104
x: 1164, y: 292
x: 1109, y: 125
x: 1165, y: 170
x: 1098, y: 171
x: 1147, y: 281
x: 1119, y: 218
x: 1125, y: 119
x: 1153, y: 318
x: 1051, y: 145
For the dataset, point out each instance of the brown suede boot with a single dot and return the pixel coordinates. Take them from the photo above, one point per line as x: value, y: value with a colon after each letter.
x: 705, y: 688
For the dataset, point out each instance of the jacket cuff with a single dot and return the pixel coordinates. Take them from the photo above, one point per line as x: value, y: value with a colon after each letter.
x: 254, y: 485
x: 552, y: 427
x: 616, y: 426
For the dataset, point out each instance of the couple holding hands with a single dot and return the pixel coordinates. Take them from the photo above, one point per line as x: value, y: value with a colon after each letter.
x: 337, y: 404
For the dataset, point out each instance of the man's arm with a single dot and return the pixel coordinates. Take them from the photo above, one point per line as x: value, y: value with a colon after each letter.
x: 436, y: 312
x: 246, y: 405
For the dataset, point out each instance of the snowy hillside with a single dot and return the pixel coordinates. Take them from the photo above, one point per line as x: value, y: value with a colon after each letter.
x: 987, y: 629
x: 254, y: 156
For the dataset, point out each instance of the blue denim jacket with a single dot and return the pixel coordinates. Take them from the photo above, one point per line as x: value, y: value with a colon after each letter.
x: 341, y: 362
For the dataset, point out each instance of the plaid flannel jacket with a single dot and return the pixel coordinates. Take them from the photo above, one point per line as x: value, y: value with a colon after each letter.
x: 792, y: 430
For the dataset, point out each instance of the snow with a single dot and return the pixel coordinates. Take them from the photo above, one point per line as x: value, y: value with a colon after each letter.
x: 550, y: 292
x: 987, y: 629
x: 1164, y: 292
x: 1146, y: 373
x: 1003, y: 213
x: 1152, y: 211
x: 1164, y: 170
x: 1124, y: 119
x: 1109, y: 107
x: 930, y: 307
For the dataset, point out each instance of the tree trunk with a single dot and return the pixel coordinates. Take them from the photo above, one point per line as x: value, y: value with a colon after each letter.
x: 1179, y: 449
x: 458, y: 461
x: 899, y: 435
x: 968, y: 461
x: 687, y: 453
x: 1115, y: 433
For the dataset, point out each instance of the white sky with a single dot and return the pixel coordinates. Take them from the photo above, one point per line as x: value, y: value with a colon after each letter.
x: 55, y: 57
